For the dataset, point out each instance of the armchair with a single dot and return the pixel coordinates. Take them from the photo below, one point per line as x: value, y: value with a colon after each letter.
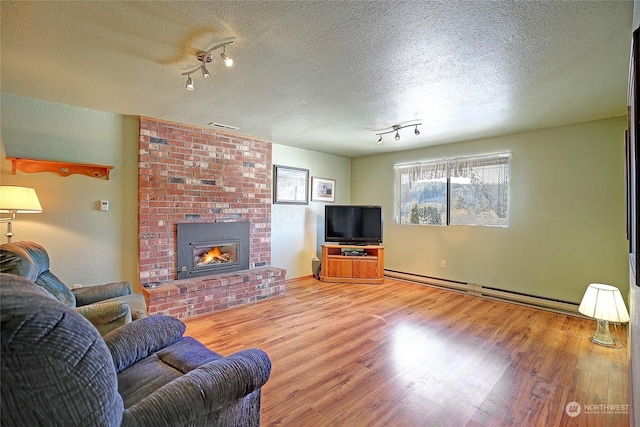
x: 57, y: 370
x: 107, y: 306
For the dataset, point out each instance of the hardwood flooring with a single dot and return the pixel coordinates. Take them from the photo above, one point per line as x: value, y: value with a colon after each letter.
x: 401, y: 354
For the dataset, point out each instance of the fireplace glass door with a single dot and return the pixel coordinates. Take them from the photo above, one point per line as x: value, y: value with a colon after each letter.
x: 212, y: 255
x: 212, y: 248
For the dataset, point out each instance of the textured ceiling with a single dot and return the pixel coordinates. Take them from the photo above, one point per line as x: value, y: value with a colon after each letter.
x: 326, y: 76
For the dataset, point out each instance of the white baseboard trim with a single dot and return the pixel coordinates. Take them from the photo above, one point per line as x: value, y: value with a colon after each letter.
x: 478, y: 290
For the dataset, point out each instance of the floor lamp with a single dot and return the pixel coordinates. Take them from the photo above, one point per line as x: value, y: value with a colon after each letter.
x: 605, y: 304
x: 14, y: 200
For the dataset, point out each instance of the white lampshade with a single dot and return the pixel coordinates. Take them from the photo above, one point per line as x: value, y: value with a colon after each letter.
x: 604, y: 302
x: 19, y: 199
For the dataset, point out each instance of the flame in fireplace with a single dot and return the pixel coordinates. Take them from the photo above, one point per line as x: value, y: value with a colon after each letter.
x: 214, y: 254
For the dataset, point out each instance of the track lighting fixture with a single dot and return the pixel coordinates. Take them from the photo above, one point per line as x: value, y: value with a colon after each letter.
x: 396, y: 129
x: 204, y: 58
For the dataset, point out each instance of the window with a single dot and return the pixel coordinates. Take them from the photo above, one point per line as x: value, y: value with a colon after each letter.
x: 461, y: 191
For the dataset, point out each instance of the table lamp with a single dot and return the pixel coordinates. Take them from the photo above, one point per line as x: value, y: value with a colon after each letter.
x: 14, y: 200
x: 605, y: 304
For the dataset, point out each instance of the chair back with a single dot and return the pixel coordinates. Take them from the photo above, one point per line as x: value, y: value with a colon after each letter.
x: 56, y: 369
x: 31, y: 261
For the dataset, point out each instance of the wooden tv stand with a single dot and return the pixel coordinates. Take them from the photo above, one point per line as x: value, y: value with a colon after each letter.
x: 340, y: 268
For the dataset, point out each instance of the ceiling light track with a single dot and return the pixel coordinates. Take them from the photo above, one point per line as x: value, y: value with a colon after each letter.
x: 396, y: 129
x: 205, y: 58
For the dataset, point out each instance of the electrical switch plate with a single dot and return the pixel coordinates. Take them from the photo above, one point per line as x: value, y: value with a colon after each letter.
x: 104, y: 205
x: 443, y: 264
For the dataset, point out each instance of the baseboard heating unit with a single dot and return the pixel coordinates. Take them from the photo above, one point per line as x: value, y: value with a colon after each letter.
x: 478, y: 290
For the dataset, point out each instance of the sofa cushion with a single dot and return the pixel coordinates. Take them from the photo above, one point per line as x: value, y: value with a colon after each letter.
x: 146, y: 376
x: 187, y: 354
x: 137, y: 340
x: 142, y: 378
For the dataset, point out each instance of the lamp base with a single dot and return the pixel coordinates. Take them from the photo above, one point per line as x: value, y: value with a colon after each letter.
x: 603, y: 335
x: 9, y: 233
x: 8, y: 220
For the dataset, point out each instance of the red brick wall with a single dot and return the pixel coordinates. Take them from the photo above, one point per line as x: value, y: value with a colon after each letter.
x: 193, y: 174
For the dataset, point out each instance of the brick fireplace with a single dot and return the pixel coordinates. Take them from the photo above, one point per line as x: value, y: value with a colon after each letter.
x: 188, y: 174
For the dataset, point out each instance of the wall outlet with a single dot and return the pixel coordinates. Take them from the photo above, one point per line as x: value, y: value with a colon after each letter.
x: 104, y: 205
x: 443, y: 263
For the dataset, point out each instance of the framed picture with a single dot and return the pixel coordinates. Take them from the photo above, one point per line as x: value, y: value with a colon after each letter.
x: 290, y: 185
x: 323, y: 190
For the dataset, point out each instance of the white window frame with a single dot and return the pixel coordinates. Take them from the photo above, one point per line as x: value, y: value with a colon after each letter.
x: 468, y: 170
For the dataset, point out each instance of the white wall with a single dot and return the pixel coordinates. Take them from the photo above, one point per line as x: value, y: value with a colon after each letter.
x: 84, y: 244
x: 566, y: 214
x: 297, y: 231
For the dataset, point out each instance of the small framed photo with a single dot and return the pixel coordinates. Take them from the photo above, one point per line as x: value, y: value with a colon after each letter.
x: 290, y: 185
x: 323, y: 190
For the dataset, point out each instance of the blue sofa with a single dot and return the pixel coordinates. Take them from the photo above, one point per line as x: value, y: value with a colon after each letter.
x: 57, y: 370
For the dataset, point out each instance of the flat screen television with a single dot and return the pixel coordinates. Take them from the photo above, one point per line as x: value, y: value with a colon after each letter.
x: 352, y: 224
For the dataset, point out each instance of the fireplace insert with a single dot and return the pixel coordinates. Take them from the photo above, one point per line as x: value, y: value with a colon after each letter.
x: 212, y: 248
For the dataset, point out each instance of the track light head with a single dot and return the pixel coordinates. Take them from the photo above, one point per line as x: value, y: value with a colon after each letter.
x: 380, y: 140
x: 227, y: 61
x: 397, y: 136
x: 417, y: 132
x: 189, y: 84
x: 205, y: 72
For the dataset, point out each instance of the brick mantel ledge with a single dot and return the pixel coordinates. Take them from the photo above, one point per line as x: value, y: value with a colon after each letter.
x: 202, y: 295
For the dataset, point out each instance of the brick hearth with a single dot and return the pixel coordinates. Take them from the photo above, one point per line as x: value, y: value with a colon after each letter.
x: 195, y: 297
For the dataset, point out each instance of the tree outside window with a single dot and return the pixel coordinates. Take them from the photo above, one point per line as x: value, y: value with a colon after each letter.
x: 462, y: 191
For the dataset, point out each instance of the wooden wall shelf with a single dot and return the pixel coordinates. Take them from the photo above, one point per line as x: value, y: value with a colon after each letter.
x: 62, y: 168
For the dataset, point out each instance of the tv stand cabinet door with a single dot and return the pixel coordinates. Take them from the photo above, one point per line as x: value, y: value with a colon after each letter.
x: 365, y: 269
x: 339, y: 267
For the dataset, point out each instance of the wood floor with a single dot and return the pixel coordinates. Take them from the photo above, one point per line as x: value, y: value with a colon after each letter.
x: 401, y: 354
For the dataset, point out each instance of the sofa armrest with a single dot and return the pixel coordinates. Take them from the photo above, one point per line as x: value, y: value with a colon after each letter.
x: 139, y: 339
x: 106, y: 316
x: 204, y: 390
x: 96, y: 293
